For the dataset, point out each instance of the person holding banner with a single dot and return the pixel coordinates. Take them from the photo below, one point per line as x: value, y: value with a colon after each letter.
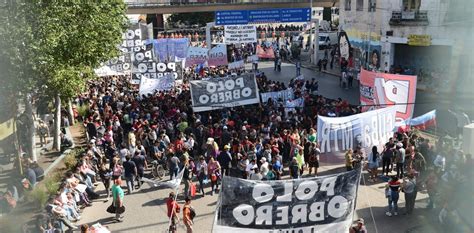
x: 173, y: 211
x: 349, y: 160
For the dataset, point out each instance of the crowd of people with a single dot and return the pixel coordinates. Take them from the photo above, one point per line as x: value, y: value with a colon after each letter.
x: 126, y: 131
x: 412, y: 163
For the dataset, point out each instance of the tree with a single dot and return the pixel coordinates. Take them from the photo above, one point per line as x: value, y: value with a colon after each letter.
x: 56, y: 44
x: 73, y: 38
x: 199, y: 18
x: 17, y: 76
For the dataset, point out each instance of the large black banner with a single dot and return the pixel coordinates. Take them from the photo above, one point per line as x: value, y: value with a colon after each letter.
x: 322, y: 204
x: 144, y: 65
x: 217, y: 93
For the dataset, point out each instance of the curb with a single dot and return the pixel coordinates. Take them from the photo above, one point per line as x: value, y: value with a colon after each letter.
x: 61, y: 157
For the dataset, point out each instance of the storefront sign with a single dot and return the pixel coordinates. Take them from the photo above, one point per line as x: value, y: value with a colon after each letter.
x: 419, y: 40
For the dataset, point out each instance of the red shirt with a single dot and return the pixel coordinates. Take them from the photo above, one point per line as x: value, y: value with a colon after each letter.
x: 173, y: 206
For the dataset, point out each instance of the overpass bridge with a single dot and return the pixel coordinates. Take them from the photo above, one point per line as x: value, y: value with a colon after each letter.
x: 186, y: 6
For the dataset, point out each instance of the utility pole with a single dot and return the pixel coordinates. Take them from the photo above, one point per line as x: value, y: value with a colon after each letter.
x: 367, y: 59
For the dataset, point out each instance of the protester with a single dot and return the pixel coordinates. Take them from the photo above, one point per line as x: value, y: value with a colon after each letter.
x: 188, y: 215
x: 214, y: 169
x: 373, y: 164
x: 201, y: 173
x: 359, y: 227
x: 387, y: 156
x: 400, y: 159
x: 392, y: 192
x: 118, y: 196
x: 349, y: 160
x: 173, y: 211
x: 409, y: 187
x: 130, y: 173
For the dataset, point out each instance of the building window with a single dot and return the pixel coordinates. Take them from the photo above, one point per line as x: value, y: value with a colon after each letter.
x: 411, y: 5
x: 372, y: 5
x: 360, y: 5
x: 347, y: 5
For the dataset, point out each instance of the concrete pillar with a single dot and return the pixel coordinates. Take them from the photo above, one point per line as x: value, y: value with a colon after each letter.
x: 315, y: 41
x: 208, y: 34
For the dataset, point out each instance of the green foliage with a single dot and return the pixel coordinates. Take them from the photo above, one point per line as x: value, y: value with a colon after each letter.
x: 17, y: 68
x: 53, y: 46
x: 52, y: 182
x: 199, y: 18
x: 70, y: 160
x: 39, y: 196
x: 82, y: 110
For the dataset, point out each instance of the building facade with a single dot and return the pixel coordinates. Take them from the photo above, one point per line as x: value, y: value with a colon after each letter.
x: 429, y: 38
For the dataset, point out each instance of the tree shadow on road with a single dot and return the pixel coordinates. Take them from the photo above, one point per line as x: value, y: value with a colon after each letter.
x: 155, y: 202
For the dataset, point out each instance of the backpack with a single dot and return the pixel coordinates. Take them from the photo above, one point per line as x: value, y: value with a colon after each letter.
x: 192, y: 212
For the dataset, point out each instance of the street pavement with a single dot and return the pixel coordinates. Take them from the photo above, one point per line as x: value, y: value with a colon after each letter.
x: 146, y: 208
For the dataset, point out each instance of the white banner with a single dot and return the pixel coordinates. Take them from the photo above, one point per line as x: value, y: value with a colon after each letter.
x: 290, y: 105
x: 275, y: 95
x: 236, y: 65
x: 218, y: 55
x: 252, y: 58
x: 150, y: 85
x: 338, y: 134
x: 236, y: 34
x: 196, y: 56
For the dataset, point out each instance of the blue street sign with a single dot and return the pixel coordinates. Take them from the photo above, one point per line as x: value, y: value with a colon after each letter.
x: 263, y: 16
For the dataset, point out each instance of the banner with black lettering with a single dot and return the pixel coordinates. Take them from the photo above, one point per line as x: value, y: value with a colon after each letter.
x: 237, y: 34
x: 318, y: 204
x: 145, y: 66
x: 284, y: 95
x: 131, y: 42
x: 219, y: 93
x: 336, y: 135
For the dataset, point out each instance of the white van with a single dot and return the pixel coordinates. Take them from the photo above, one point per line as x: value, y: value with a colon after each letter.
x: 327, y: 39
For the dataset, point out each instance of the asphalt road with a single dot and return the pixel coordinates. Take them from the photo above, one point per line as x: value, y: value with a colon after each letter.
x: 146, y: 208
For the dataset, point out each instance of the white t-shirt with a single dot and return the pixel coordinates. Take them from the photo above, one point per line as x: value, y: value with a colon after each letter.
x: 264, y: 168
x: 249, y: 168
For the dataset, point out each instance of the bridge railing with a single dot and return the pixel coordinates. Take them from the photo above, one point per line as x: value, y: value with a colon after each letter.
x: 152, y: 3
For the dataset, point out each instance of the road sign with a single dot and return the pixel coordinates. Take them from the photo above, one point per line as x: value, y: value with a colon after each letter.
x: 263, y: 16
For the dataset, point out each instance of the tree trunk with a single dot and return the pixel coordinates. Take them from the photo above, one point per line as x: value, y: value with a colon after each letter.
x: 31, y: 149
x: 71, y: 113
x: 57, y: 123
